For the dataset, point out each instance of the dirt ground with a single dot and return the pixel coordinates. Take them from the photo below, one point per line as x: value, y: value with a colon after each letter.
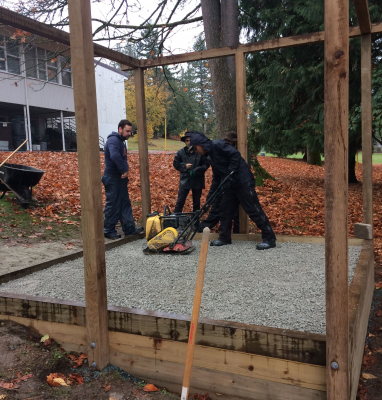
x: 28, y: 360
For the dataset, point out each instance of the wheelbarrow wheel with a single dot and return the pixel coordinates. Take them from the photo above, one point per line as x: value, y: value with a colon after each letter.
x: 22, y: 204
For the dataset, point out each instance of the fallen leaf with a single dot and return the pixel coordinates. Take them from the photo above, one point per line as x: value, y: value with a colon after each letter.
x: 106, y: 386
x: 21, y: 377
x: 150, y: 388
x: 8, y: 386
x: 44, y: 338
x: 112, y: 398
x: 48, y: 342
x: 51, y: 379
x: 48, y: 227
x: 78, y: 379
x: 5, y: 237
x: 2, y: 397
x: 368, y: 376
x: 59, y: 382
x: 78, y: 360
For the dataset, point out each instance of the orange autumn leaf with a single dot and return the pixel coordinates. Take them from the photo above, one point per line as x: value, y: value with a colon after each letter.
x: 48, y: 227
x: 150, y: 388
x: 56, y: 379
x: 106, y: 386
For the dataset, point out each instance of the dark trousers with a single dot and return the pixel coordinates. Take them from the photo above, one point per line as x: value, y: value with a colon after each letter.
x: 247, y: 197
x: 214, y: 217
x: 118, y: 205
x: 182, y: 195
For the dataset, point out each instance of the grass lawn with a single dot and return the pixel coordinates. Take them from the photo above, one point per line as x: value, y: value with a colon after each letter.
x: 377, y: 157
x: 158, y: 144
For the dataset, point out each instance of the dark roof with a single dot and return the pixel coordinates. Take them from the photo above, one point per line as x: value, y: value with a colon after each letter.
x: 118, y: 71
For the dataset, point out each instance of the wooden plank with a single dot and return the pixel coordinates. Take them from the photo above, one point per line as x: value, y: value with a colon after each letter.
x: 360, y: 298
x: 19, y: 273
x: 256, y: 237
x: 142, y: 143
x: 261, y: 340
x: 363, y: 15
x: 272, y: 44
x: 85, y: 101
x: 144, y: 352
x: 367, y: 140
x: 241, y: 104
x: 336, y: 197
x: 255, y: 366
x: 16, y: 20
x: 169, y: 374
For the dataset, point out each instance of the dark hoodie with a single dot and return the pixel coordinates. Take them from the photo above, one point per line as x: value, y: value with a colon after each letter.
x: 224, y: 159
x: 115, y: 156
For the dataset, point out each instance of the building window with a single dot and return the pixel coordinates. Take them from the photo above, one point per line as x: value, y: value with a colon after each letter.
x: 52, y: 65
x: 41, y: 64
x: 9, y: 55
x: 30, y: 62
x: 66, y: 71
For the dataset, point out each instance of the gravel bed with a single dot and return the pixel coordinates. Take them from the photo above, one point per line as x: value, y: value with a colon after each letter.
x: 282, y: 287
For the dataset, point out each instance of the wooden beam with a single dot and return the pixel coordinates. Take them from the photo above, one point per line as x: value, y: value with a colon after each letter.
x: 367, y: 140
x: 360, y: 297
x: 241, y: 105
x: 261, y: 340
x: 336, y: 197
x: 363, y: 15
x: 85, y: 101
x: 272, y: 44
x: 16, y: 20
x: 140, y: 102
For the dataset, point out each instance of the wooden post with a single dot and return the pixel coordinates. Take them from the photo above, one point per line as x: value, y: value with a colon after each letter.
x: 241, y: 103
x: 85, y: 100
x: 336, y: 197
x: 367, y: 143
x: 142, y: 142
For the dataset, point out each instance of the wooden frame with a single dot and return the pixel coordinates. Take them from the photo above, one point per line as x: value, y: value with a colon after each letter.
x: 243, y: 360
x: 342, y: 365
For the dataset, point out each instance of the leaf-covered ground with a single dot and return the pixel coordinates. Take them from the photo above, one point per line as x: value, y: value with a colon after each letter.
x: 294, y: 202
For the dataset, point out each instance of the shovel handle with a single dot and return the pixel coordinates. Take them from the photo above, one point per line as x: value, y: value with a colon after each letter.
x: 21, y: 145
x: 195, y: 314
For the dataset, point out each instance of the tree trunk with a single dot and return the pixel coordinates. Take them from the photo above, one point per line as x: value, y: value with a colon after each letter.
x: 222, y: 72
x: 313, y: 157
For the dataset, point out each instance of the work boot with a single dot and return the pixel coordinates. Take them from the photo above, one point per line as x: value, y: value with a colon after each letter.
x: 138, y: 230
x: 218, y: 243
x: 265, y: 245
x: 112, y: 236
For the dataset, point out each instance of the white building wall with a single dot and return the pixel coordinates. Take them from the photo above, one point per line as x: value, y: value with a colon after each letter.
x: 45, y: 95
x: 110, y: 100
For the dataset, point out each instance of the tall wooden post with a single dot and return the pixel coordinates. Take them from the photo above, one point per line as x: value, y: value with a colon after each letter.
x: 85, y: 100
x: 367, y: 143
x: 142, y: 142
x: 336, y: 197
x: 241, y: 104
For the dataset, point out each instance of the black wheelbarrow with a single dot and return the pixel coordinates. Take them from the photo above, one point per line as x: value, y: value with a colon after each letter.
x: 20, y: 180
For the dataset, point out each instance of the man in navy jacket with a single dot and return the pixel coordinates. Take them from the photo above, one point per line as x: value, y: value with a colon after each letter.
x: 115, y: 179
x: 224, y: 160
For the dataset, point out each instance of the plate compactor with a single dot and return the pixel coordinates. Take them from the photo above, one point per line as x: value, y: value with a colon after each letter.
x: 173, y: 232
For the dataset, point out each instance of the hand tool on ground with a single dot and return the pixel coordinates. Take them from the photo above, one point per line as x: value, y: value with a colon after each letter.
x: 173, y: 233
x: 195, y: 314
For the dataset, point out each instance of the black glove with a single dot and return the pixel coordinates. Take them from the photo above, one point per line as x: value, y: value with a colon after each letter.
x: 231, y: 179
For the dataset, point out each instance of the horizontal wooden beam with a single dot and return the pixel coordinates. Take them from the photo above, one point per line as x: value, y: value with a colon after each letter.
x: 262, y: 340
x: 137, y: 347
x: 363, y: 15
x: 272, y: 44
x: 16, y: 20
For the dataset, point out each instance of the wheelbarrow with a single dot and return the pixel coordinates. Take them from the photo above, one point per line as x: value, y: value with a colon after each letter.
x: 19, y: 179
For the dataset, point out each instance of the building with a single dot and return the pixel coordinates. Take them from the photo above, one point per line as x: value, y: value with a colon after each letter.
x: 36, y: 95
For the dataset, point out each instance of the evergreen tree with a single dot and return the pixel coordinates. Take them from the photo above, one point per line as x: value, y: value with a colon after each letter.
x: 287, y: 85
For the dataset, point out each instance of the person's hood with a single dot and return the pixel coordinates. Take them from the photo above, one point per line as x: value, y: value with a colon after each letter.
x: 202, y: 140
x: 116, y: 134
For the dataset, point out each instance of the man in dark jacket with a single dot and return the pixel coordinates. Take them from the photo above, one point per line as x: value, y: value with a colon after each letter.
x: 224, y: 160
x: 192, y: 167
x: 214, y: 215
x: 115, y: 179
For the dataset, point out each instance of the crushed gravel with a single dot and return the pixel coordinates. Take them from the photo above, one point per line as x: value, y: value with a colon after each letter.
x: 282, y: 287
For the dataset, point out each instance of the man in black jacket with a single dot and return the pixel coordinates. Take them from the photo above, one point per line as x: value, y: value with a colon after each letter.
x: 192, y: 167
x: 214, y: 215
x: 224, y: 160
x: 115, y: 179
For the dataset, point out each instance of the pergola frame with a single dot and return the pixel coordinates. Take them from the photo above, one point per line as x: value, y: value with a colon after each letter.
x: 336, y: 38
